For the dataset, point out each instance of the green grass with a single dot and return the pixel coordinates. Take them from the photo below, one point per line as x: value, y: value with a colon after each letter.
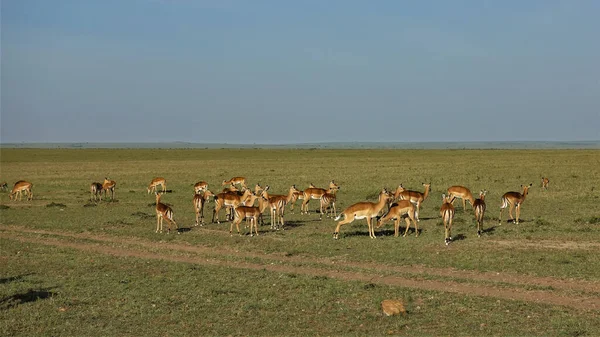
x: 106, y: 295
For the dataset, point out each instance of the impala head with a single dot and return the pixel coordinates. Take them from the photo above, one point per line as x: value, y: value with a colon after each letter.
x: 427, y: 185
x: 482, y: 194
x: 333, y: 185
x: 106, y: 180
x: 311, y: 185
x: 526, y: 188
x: 208, y: 194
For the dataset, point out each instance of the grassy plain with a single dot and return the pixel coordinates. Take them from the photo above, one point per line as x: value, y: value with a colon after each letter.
x: 70, y: 267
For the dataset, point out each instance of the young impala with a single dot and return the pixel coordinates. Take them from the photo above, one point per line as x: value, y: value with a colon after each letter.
x: 479, y: 206
x: 155, y: 182
x: 328, y: 201
x: 462, y: 193
x: 545, y: 182
x: 362, y: 210
x: 415, y: 197
x: 396, y: 212
x: 109, y: 185
x: 447, y: 213
x: 315, y: 193
x: 515, y: 200
x: 20, y: 187
x: 199, y: 202
x: 164, y: 212
x: 95, y: 192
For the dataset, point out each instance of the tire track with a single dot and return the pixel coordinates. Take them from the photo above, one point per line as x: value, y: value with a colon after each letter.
x: 581, y: 302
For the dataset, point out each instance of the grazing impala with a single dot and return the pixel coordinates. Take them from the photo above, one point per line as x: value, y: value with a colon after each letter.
x: 109, y: 185
x: 155, y: 182
x: 415, y: 197
x: 545, y: 182
x: 315, y: 193
x: 228, y: 199
x: 235, y: 180
x: 362, y: 210
x: 447, y: 213
x: 20, y: 187
x: 514, y: 199
x: 462, y: 193
x: 277, y: 205
x: 199, y: 202
x: 164, y: 212
x: 479, y: 206
x: 95, y: 192
x: 396, y: 212
x: 200, y: 186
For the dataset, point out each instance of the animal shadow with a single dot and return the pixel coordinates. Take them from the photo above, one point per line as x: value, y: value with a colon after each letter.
x: 13, y: 278
x: 22, y: 298
x: 183, y: 229
x: 489, y: 230
x: 459, y: 237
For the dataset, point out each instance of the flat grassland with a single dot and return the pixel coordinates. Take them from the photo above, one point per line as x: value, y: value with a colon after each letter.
x: 72, y: 267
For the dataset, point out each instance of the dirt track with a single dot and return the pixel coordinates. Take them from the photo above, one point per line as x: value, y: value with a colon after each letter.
x: 579, y: 294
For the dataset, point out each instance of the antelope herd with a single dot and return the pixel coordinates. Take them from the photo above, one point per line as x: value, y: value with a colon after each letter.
x: 239, y: 203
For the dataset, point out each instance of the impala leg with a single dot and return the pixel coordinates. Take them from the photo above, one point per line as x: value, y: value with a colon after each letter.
x: 518, y: 213
x: 407, y: 219
x: 510, y: 212
x: 396, y: 227
x: 336, y: 233
x: 464, y: 202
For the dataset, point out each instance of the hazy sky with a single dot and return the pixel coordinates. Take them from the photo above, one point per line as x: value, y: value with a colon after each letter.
x: 242, y: 71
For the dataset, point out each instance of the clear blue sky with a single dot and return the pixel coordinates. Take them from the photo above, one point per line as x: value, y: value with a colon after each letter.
x: 241, y: 71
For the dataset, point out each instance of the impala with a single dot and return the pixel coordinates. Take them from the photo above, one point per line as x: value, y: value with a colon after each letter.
x: 479, y: 206
x: 155, y: 182
x: 109, y: 185
x: 362, y: 210
x: 277, y: 205
x: 235, y: 180
x: 315, y: 193
x: 200, y: 186
x: 20, y: 187
x: 328, y: 201
x: 396, y: 212
x: 199, y: 202
x: 164, y: 212
x: 228, y: 199
x: 415, y: 197
x: 299, y: 195
x: 251, y: 213
x: 447, y: 213
x: 462, y: 193
x: 545, y: 182
x: 514, y: 199
x: 95, y: 192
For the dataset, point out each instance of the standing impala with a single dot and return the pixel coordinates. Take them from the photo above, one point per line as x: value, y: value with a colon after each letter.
x: 545, y: 182
x: 315, y: 193
x: 277, y: 205
x: 463, y: 193
x: 252, y: 213
x: 109, y: 185
x: 235, y: 180
x: 447, y: 213
x: 479, y: 206
x: 199, y: 202
x: 155, y: 182
x: 396, y: 212
x: 514, y: 199
x: 228, y: 199
x: 164, y: 212
x: 362, y: 210
x: 200, y: 186
x: 20, y: 187
x: 328, y: 201
x: 299, y: 195
x: 95, y: 192
x: 415, y: 197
